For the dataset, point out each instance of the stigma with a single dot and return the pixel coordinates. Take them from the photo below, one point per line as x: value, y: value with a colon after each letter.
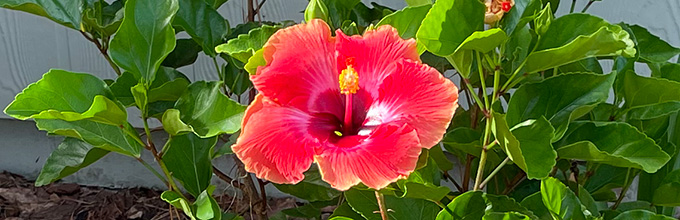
x: 349, y: 78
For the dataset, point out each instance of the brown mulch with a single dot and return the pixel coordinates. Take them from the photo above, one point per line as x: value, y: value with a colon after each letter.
x: 20, y: 199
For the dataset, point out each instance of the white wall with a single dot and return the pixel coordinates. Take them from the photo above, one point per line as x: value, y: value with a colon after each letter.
x: 31, y: 45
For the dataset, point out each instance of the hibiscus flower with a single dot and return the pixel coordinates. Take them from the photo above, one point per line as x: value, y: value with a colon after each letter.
x: 361, y: 107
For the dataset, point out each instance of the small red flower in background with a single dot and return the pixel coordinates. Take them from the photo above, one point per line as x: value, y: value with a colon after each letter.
x: 361, y: 107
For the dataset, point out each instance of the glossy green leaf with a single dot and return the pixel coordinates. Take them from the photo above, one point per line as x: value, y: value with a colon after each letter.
x: 245, y: 46
x: 449, y: 23
x: 668, y: 192
x: 423, y: 183
x: 177, y: 201
x: 641, y: 214
x: 188, y: 157
x: 185, y: 53
x: 69, y: 157
x: 479, y: 41
x: 476, y: 204
x: 591, y: 65
x: 364, y: 202
x: 640, y: 91
x: 168, y: 85
x: 607, y: 41
x: 652, y: 48
x: 614, y: 143
x: 345, y: 212
x: 339, y: 11
x: 235, y: 77
x: 535, y: 148
x: 216, y: 3
x: 652, y: 111
x: 635, y: 205
x: 437, y: 154
x: 504, y: 216
x: 102, y: 18
x: 407, y: 21
x: 560, y: 99
x: 64, y: 12
x: 121, y: 88
x: 534, y: 203
x: 418, y: 2
x: 208, y: 111
x: 316, y: 9
x: 206, y: 205
x: 173, y: 124
x: 255, y: 61
x: 145, y: 37
x: 560, y: 200
x: 588, y: 201
x: 203, y: 23
x: 312, y: 188
x: 520, y: 15
x: 108, y: 137
x: 139, y: 94
x: 670, y: 71
x: 68, y: 96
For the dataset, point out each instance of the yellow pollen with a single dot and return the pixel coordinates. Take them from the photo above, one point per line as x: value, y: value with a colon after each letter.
x: 349, y: 81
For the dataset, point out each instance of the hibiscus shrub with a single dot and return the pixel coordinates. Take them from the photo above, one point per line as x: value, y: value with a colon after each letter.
x: 356, y: 109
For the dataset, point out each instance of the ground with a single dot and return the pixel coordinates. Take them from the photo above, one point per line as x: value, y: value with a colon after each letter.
x: 20, y: 199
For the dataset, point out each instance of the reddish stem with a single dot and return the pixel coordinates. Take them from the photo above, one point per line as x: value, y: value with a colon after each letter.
x: 347, y: 125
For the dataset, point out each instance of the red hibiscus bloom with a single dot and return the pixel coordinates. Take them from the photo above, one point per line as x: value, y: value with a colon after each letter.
x: 361, y: 107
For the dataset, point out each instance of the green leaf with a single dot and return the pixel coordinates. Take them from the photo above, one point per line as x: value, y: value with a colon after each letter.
x: 141, y: 98
x: 203, y: 23
x: 235, y: 77
x: 69, y: 157
x: 424, y: 183
x: 534, y: 203
x: 640, y: 91
x: 607, y: 41
x: 535, y: 147
x: 345, y: 212
x: 418, y: 2
x: 339, y: 11
x: 177, y: 201
x: 479, y: 41
x: 641, y: 214
x: 312, y: 188
x: 206, y: 205
x: 614, y: 143
x: 364, y: 202
x: 145, y: 37
x: 504, y: 216
x: 108, y: 137
x: 407, y: 21
x: 68, y: 96
x: 668, y: 193
x: 245, y: 46
x: 652, y: 48
x: 652, y: 111
x: 255, y: 61
x: 670, y: 71
x: 520, y: 15
x: 185, y: 53
x: 208, y: 111
x: 102, y: 18
x: 173, y: 124
x: 188, y: 158
x: 437, y: 154
x: 168, y: 85
x: 560, y: 201
x: 64, y: 12
x: 586, y: 65
x: 588, y: 36
x: 559, y: 99
x: 588, y: 201
x: 449, y: 23
x: 635, y: 205
x: 476, y: 204
x: 316, y: 9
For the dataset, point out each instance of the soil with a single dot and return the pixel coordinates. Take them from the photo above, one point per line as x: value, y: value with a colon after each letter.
x: 20, y: 199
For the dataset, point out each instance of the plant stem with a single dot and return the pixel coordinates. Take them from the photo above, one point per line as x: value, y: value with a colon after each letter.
x: 494, y: 172
x: 482, y: 80
x: 482, y: 158
x: 224, y: 177
x: 472, y: 91
x: 103, y: 49
x: 573, y: 3
x: 441, y: 205
x: 381, y: 204
x: 624, y: 190
x: 466, y: 173
x: 152, y: 170
x: 587, y: 6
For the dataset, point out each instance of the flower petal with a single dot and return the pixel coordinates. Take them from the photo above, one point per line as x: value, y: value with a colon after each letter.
x: 418, y: 95
x: 277, y: 143
x: 374, y: 53
x: 301, y: 69
x: 388, y: 154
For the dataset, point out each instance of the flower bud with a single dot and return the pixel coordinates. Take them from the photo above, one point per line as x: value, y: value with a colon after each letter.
x: 316, y: 9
